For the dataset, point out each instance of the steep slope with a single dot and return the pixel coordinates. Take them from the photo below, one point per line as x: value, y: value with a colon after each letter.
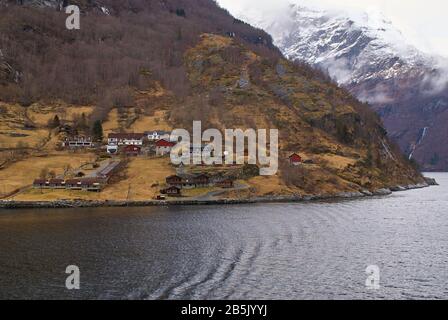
x: 371, y: 58
x: 207, y: 66
x: 314, y: 116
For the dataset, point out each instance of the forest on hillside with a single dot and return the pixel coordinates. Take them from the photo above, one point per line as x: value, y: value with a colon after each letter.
x: 112, y: 54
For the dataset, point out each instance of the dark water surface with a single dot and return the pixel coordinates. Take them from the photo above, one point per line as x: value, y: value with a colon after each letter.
x: 265, y: 251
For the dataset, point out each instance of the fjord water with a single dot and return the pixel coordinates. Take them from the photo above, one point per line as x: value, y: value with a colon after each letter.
x: 264, y: 251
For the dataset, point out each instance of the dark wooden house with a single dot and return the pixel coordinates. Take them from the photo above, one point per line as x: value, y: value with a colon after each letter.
x: 56, y: 183
x: 172, y: 191
x: 201, y: 180
x: 174, y: 181
x: 40, y: 183
x: 226, y: 183
x: 188, y: 181
x: 132, y: 151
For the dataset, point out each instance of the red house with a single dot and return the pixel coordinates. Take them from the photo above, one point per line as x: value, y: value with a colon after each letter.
x: 132, y: 151
x: 87, y: 184
x: 73, y: 184
x: 164, y: 147
x: 92, y: 184
x: 164, y: 143
x: 295, y: 159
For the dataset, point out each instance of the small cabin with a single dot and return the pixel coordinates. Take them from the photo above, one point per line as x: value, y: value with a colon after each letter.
x: 56, y: 183
x: 188, y: 181
x: 172, y: 191
x: 295, y: 159
x: 40, y: 183
x: 93, y: 184
x: 201, y: 180
x: 132, y: 151
x: 73, y: 184
x: 174, y: 180
x: 226, y: 184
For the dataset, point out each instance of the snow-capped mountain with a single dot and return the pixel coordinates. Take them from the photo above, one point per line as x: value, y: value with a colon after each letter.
x: 364, y: 52
x: 351, y: 50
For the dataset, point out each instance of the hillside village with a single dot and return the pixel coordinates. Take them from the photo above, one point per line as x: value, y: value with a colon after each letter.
x: 101, y: 167
x: 155, y: 144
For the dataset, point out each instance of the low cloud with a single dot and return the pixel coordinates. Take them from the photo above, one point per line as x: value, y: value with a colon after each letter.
x: 439, y: 82
x: 376, y: 96
x: 338, y: 69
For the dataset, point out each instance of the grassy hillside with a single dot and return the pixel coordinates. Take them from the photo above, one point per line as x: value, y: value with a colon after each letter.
x: 177, y: 62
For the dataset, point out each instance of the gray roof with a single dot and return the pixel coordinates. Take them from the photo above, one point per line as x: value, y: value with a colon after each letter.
x: 159, y: 132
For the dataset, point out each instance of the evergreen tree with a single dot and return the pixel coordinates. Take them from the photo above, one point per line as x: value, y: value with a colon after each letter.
x: 55, y: 123
x: 97, y: 131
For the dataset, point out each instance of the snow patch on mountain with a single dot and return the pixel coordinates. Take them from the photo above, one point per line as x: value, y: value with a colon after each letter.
x: 368, y: 55
x: 353, y: 47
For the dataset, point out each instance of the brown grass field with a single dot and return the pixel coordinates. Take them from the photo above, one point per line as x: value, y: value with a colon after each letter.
x: 141, y: 175
x: 23, y: 173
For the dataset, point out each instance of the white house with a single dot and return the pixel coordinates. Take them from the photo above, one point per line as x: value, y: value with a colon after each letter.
x: 78, y: 142
x: 125, y: 139
x: 158, y: 135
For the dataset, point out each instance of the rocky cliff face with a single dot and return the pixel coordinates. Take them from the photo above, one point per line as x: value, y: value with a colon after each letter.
x: 371, y: 58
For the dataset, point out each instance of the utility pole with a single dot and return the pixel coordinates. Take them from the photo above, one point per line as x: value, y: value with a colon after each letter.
x: 129, y: 193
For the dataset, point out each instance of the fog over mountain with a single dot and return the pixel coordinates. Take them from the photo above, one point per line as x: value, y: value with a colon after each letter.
x: 423, y: 23
x: 365, y: 52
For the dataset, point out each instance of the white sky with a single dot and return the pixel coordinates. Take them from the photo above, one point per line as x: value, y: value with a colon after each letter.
x: 423, y: 22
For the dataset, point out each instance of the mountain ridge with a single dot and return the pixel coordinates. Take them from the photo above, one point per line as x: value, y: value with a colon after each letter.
x: 372, y: 59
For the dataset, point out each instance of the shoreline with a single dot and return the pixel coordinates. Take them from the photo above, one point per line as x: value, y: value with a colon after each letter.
x: 66, y: 204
